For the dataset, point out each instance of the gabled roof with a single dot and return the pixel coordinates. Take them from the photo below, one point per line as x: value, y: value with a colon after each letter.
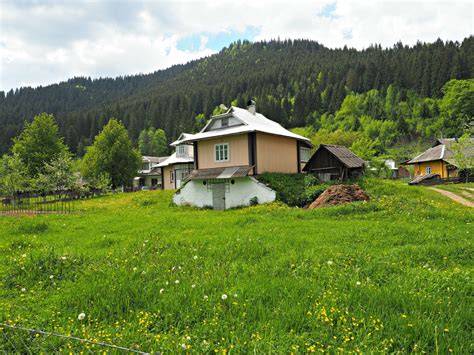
x: 248, y: 122
x: 181, y: 138
x: 341, y: 153
x: 155, y: 160
x: 173, y: 159
x: 442, y: 151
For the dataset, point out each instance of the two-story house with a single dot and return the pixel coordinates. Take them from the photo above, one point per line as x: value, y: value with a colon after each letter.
x: 149, y: 176
x: 176, y: 168
x: 231, y: 150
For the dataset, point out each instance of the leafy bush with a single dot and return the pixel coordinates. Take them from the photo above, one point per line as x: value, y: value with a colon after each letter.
x: 294, y: 189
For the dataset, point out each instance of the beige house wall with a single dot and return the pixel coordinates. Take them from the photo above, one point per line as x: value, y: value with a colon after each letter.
x: 238, y: 151
x: 276, y: 154
x: 168, y: 185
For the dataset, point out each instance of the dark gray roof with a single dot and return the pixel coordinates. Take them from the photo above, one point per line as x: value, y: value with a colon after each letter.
x: 220, y: 173
x: 344, y: 155
x: 421, y: 178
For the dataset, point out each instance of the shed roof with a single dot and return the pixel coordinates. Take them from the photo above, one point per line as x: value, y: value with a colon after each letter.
x: 341, y: 153
x: 249, y: 122
x: 220, y: 173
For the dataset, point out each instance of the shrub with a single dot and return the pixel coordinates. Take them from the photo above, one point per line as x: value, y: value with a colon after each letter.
x: 294, y: 189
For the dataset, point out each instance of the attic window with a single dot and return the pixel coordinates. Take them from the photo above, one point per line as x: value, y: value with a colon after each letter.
x: 181, y: 151
x: 224, y: 121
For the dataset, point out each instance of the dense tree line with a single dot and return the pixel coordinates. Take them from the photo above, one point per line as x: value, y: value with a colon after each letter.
x: 296, y: 82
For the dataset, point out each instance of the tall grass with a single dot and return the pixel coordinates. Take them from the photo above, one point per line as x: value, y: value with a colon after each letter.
x: 392, y: 274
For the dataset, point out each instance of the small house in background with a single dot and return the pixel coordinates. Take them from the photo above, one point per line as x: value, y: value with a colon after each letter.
x: 176, y: 168
x: 233, y: 148
x: 334, y: 162
x: 439, y: 160
x: 399, y: 172
x: 149, y: 176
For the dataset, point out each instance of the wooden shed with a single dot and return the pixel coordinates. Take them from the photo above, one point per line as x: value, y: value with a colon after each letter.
x: 334, y: 162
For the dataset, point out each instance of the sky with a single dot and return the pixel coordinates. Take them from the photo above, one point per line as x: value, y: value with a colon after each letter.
x: 48, y: 41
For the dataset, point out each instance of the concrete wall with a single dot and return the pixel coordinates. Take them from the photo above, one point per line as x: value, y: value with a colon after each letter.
x: 195, y: 193
x: 238, y: 151
x: 276, y: 154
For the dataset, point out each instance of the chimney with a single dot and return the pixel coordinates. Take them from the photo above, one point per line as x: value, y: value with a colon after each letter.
x: 251, y: 106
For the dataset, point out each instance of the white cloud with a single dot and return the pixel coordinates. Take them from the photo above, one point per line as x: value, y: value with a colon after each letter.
x: 43, y: 42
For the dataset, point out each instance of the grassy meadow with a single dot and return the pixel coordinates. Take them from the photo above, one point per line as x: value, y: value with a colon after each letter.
x: 392, y: 274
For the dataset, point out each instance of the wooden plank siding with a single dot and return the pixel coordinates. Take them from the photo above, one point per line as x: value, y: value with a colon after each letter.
x: 437, y: 167
x: 168, y: 185
x: 276, y: 154
x: 238, y: 151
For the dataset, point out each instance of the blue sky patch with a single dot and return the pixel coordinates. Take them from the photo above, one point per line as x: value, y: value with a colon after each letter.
x: 328, y: 10
x: 216, y: 41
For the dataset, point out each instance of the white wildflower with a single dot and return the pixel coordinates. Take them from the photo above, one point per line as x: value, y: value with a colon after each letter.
x: 330, y: 262
x: 358, y: 283
x: 195, y: 257
x: 23, y: 289
x: 23, y: 255
x: 63, y: 258
x: 235, y: 295
x: 143, y: 272
x: 206, y: 298
x: 224, y: 296
x: 176, y: 282
x: 193, y: 286
x: 183, y: 346
x: 134, y: 269
x: 162, y: 290
x: 51, y: 277
x: 81, y: 316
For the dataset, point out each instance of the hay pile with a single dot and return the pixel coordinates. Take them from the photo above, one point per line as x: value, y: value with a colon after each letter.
x: 338, y: 194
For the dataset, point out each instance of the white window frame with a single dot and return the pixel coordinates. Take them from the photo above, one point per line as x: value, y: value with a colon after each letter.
x: 225, y: 119
x: 308, y: 152
x: 181, y: 151
x: 220, y: 154
x: 428, y: 170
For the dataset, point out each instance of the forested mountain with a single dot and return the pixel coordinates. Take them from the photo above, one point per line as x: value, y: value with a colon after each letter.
x: 296, y: 82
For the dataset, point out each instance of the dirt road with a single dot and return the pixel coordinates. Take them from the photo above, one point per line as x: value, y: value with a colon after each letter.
x: 454, y: 197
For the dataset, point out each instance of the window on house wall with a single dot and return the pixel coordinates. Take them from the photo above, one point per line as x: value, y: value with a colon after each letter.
x: 224, y: 121
x: 305, y: 154
x: 172, y: 176
x: 181, y: 150
x: 221, y: 152
x: 428, y: 170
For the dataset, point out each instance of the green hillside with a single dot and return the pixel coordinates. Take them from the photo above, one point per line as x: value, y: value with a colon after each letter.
x: 393, y: 274
x: 297, y: 83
